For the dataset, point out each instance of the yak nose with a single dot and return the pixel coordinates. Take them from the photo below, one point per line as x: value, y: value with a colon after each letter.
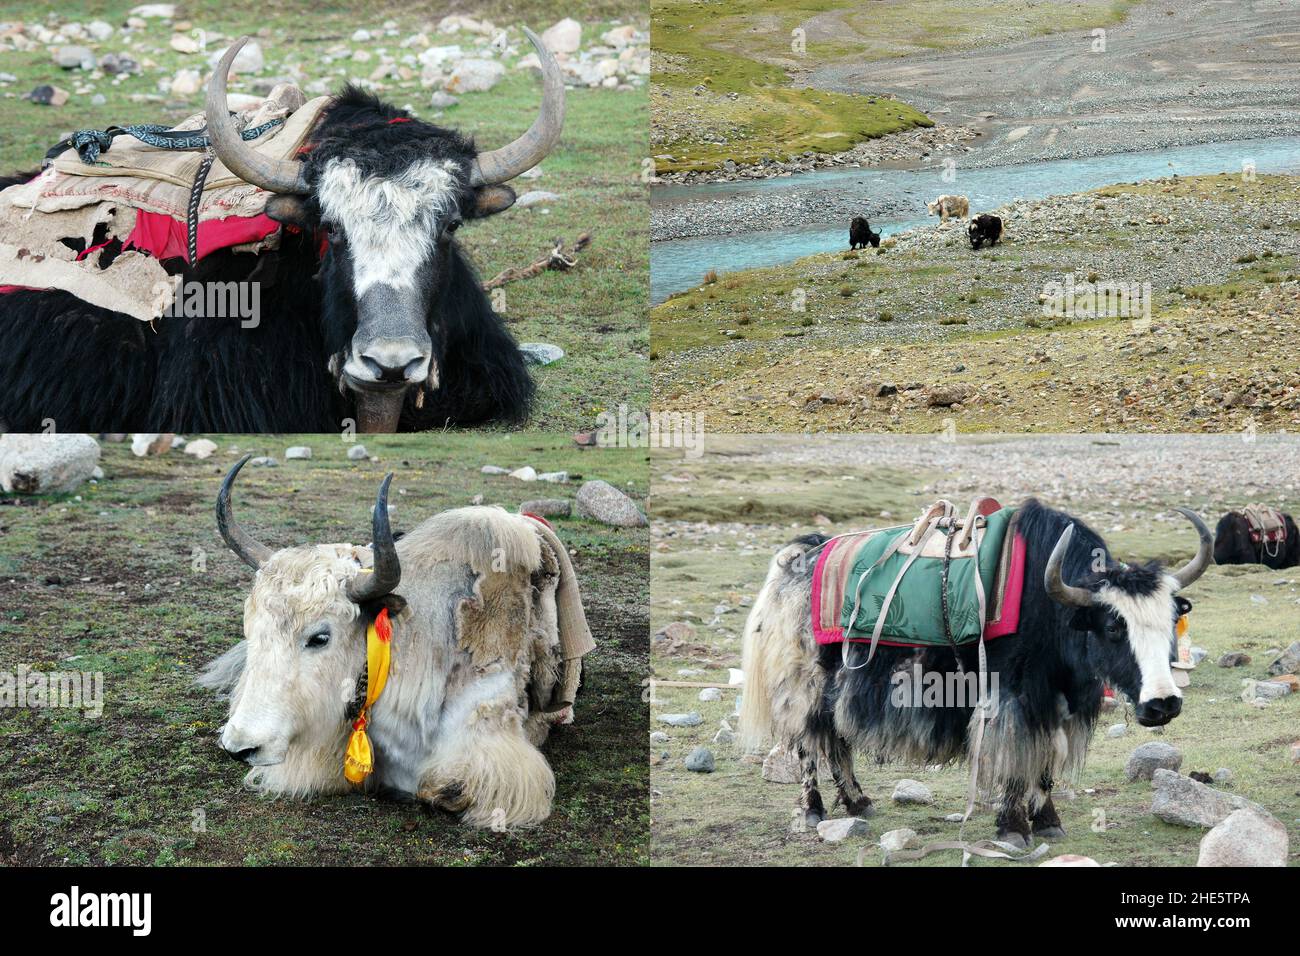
x: 395, y: 361
x: 246, y: 755
x: 1159, y: 711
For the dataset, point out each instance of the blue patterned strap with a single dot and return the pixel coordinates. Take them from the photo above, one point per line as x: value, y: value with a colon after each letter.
x: 89, y: 143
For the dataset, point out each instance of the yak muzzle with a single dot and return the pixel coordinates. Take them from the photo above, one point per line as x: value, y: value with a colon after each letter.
x: 1159, y: 711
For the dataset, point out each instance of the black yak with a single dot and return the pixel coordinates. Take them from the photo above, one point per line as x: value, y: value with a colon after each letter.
x: 1238, y: 540
x: 984, y: 228
x: 1085, y: 620
x: 860, y: 234
x: 370, y: 309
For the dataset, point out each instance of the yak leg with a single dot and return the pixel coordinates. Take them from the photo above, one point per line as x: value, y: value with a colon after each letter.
x: 1046, y: 823
x: 856, y: 803
x: 1013, y: 822
x: 810, y: 799
x: 484, y: 767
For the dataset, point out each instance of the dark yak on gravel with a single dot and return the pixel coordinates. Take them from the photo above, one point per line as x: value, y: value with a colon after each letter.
x: 1240, y: 540
x: 860, y: 234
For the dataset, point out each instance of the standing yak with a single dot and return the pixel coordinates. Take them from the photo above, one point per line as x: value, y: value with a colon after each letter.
x: 1079, y: 629
x: 370, y: 308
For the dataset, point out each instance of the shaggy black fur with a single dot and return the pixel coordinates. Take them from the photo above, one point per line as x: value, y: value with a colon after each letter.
x: 89, y: 369
x: 861, y: 234
x: 1232, y: 544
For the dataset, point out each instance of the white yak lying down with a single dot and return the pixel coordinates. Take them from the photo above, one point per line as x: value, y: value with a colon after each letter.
x: 487, y: 639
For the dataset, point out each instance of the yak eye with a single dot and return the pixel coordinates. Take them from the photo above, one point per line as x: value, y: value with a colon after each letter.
x: 453, y: 225
x: 319, y: 639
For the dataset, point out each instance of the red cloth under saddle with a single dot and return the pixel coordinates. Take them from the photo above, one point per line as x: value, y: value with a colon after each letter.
x: 163, y: 237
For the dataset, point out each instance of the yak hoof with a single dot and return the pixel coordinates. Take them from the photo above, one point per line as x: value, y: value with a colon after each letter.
x: 1017, y: 840
x: 860, y: 808
x: 1054, y: 832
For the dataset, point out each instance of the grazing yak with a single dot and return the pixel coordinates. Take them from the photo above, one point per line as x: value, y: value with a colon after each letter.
x: 1085, y: 620
x: 984, y: 228
x: 370, y: 308
x: 479, y: 601
x: 860, y: 234
x: 1257, y: 536
x: 946, y: 207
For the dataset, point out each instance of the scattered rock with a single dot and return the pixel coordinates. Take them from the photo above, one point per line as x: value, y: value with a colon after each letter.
x: 155, y: 11
x: 250, y: 59
x: 442, y: 100
x: 725, y: 735
x: 781, y: 766
x: 681, y: 720
x: 563, y: 37
x: 297, y: 453
x: 183, y: 43
x: 99, y: 30
x: 1245, y: 838
x: 186, y: 83
x: 264, y: 461
x: 1234, y: 659
x: 357, y: 453
x: 539, y: 353
x: 700, y: 760
x: 474, y: 76
x: 526, y: 473
x: 603, y: 502
x: 46, y: 464
x: 895, y: 840
x: 47, y: 95
x: 912, y: 791
x: 710, y: 694
x: 1288, y: 662
x: 1150, y: 757
x: 547, y: 507
x: 1070, y: 859
x: 554, y: 477
x: 1117, y: 730
x: 1222, y: 775
x: 201, y: 448
x: 676, y: 631
x: 1184, y: 802
x: 494, y: 470
x: 841, y: 828
x: 659, y: 737
x: 533, y: 197
x: 74, y: 58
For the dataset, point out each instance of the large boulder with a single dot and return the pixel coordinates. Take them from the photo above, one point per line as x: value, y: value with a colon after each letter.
x: 1245, y: 838
x: 1288, y: 662
x: 605, y: 503
x: 1185, y: 802
x: 46, y: 464
x: 563, y: 37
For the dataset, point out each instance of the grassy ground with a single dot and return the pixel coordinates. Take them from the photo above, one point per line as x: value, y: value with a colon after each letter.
x: 104, y: 581
x: 940, y: 316
x: 714, y: 535
x: 596, y: 312
x: 752, y: 105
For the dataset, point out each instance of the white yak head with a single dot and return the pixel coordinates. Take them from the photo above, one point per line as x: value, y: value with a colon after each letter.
x: 305, y: 647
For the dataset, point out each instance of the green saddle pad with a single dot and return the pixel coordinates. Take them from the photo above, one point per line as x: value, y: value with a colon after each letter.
x: 915, y: 615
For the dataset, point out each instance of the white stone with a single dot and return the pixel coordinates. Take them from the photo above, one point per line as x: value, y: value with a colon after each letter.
x: 144, y: 444
x: 201, y: 448
x: 912, y: 791
x: 186, y: 83
x: 474, y: 76
x: 155, y: 11
x: 46, y: 464
x: 563, y: 37
x: 841, y: 828
x: 554, y: 477
x: 297, y: 452
x: 1245, y: 838
x: 357, y: 453
x: 709, y: 694
x: 605, y: 503
x: 896, y: 840
x: 526, y: 473
x: 250, y: 59
x: 183, y: 43
x: 1070, y: 859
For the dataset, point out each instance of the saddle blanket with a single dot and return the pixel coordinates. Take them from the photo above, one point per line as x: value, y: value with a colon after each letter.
x: 1267, y: 525
x: 844, y: 578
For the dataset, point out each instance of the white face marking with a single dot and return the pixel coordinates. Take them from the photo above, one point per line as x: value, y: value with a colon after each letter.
x: 391, y: 222
x: 1150, y: 635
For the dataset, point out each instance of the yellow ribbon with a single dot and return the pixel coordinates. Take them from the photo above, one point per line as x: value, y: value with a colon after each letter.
x: 359, y: 761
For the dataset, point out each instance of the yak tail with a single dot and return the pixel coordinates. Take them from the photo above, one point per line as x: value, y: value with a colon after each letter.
x: 775, y: 657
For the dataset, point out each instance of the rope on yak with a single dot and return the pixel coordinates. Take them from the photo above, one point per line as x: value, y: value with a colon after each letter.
x: 89, y: 143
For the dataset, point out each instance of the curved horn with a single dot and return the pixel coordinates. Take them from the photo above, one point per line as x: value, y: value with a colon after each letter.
x: 277, y: 175
x: 1057, y: 589
x: 387, y: 567
x: 250, y: 550
x: 504, y: 164
x: 1194, y: 568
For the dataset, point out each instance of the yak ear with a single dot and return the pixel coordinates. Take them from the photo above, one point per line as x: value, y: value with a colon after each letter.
x: 395, y: 604
x: 290, y: 211
x: 490, y: 200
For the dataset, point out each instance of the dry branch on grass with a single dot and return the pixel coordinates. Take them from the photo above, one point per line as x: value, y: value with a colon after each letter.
x: 558, y: 258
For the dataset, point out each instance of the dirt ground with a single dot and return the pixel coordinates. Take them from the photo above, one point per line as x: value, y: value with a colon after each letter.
x: 128, y: 577
x: 720, y: 517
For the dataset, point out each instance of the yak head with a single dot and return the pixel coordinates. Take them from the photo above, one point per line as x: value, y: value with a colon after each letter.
x: 305, y: 628
x: 389, y: 192
x: 1130, y: 615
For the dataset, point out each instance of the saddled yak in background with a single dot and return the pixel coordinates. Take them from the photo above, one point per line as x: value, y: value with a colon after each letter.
x: 391, y: 328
